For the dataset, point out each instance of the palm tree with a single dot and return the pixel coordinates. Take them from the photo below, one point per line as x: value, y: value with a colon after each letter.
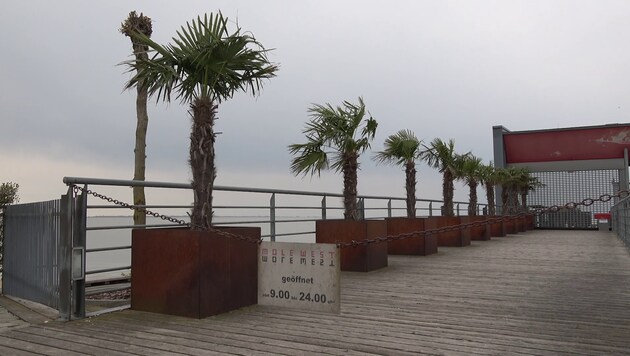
x: 504, y: 180
x: 490, y: 179
x: 441, y: 156
x: 335, y: 139
x: 205, y: 65
x: 510, y: 178
x: 470, y: 172
x: 129, y: 27
x: 404, y: 149
x: 527, y: 183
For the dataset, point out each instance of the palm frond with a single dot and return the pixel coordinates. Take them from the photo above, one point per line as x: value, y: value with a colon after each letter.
x: 400, y: 148
x: 310, y: 158
x: 205, y: 59
x: 340, y: 129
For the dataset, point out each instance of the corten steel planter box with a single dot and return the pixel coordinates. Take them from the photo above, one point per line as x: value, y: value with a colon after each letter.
x: 416, y: 245
x: 452, y: 238
x: 497, y: 229
x: 476, y: 233
x: 522, y: 223
x: 193, y: 273
x: 511, y: 226
x: 362, y: 258
x: 531, y: 221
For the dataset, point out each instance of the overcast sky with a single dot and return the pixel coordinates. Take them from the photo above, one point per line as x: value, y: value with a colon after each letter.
x: 447, y: 69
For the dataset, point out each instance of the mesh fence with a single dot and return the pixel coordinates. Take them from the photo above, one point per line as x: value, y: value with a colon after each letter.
x: 573, y: 186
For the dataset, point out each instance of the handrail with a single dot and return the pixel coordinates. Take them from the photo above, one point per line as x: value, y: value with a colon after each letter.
x: 151, y: 184
x: 290, y: 220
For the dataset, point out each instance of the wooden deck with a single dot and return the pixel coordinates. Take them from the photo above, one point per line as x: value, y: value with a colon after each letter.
x: 536, y: 293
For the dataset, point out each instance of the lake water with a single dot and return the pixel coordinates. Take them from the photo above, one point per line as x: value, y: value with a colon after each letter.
x: 122, y: 237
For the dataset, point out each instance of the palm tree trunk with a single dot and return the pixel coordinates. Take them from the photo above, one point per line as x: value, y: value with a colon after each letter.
x: 524, y: 199
x: 447, y: 193
x: 139, y: 215
x: 513, y: 199
x: 490, y: 197
x: 505, y: 195
x: 410, y: 188
x: 202, y: 154
x: 472, y: 206
x: 142, y: 24
x: 350, y: 168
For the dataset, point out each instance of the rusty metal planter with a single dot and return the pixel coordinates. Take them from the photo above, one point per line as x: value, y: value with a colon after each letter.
x: 531, y: 221
x: 497, y: 229
x: 190, y: 273
x: 452, y: 238
x: 416, y: 245
x: 477, y: 233
x: 522, y: 223
x: 511, y: 225
x: 363, y: 258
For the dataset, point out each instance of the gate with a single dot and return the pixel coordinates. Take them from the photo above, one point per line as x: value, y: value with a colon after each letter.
x: 572, y: 163
x: 572, y: 186
x: 39, y: 255
x: 31, y: 256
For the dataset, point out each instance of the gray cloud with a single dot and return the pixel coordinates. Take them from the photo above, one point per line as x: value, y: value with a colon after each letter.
x: 448, y: 69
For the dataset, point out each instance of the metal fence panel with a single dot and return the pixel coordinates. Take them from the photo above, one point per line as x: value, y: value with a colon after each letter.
x: 621, y: 220
x: 573, y: 186
x: 32, y: 234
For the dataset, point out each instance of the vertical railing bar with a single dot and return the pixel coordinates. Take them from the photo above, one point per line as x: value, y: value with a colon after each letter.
x: 389, y: 208
x: 65, y: 247
x: 272, y: 217
x: 324, y: 207
x: 361, y: 209
x: 79, y: 241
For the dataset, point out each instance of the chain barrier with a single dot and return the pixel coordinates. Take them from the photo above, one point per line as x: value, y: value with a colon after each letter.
x: 356, y: 243
x: 540, y: 211
x: 165, y: 217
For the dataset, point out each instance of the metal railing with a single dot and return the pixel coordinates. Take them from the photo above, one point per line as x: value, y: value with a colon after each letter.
x: 620, y: 214
x: 80, y: 226
x: 284, y: 215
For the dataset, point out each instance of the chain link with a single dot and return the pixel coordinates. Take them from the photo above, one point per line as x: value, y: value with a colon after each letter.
x: 356, y: 243
x: 552, y: 209
x: 165, y: 217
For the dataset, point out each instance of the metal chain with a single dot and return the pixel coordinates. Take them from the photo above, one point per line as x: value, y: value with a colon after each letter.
x: 571, y: 205
x: 585, y: 202
x: 165, y: 217
x: 355, y: 243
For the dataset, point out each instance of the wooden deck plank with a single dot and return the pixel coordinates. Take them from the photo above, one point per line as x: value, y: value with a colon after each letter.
x: 14, y: 341
x: 537, y: 293
x: 100, y: 340
x: 4, y: 350
x: 241, y: 337
x: 159, y: 340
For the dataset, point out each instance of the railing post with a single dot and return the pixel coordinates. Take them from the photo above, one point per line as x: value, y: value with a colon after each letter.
x: 430, y: 208
x: 78, y: 255
x: 324, y: 208
x: 64, y: 255
x: 361, y: 209
x: 389, y: 208
x: 272, y: 217
x: 457, y: 209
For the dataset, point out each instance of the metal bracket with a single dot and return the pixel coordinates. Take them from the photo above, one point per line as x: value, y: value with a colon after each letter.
x: 78, y: 263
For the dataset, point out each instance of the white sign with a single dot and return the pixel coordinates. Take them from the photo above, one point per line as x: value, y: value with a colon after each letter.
x: 299, y: 275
